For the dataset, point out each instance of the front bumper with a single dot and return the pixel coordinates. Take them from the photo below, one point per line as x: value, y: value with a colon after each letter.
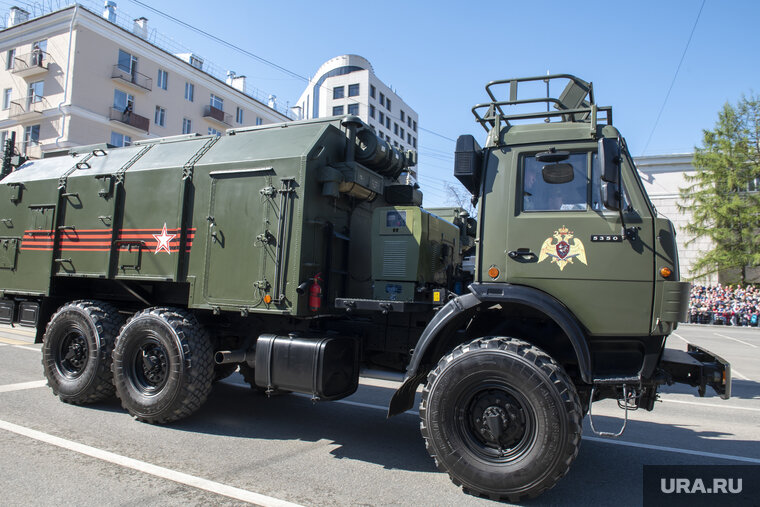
x: 699, y: 368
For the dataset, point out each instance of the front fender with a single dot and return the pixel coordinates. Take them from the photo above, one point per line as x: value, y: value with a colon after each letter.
x: 457, y: 311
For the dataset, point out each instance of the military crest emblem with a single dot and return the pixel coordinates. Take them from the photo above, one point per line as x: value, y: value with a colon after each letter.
x: 562, y: 248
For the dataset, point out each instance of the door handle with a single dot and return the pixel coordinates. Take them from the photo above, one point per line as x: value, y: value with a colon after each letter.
x: 521, y: 252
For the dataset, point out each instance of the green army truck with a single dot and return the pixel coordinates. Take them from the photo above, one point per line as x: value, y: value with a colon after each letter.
x: 292, y: 253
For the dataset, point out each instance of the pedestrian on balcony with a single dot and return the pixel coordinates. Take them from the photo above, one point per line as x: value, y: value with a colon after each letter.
x: 127, y: 114
x: 36, y: 55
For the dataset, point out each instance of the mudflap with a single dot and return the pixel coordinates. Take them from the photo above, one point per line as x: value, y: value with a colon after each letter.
x: 699, y: 368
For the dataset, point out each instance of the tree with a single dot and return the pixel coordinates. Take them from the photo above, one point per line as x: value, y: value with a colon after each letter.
x: 723, y: 196
x: 459, y: 196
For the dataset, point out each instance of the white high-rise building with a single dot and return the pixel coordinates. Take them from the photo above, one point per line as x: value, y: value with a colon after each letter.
x: 347, y: 84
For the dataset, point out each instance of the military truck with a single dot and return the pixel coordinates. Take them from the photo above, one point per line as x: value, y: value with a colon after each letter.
x: 292, y: 252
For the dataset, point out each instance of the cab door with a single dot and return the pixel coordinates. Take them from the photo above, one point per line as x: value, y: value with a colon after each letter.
x: 562, y: 240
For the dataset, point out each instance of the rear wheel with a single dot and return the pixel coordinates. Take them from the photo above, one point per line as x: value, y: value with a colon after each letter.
x: 501, y: 418
x: 76, y: 351
x: 163, y: 365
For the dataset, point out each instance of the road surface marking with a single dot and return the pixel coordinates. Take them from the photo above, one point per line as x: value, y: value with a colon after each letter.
x: 673, y: 449
x: 9, y: 341
x: 22, y: 386
x: 148, y: 468
x: 605, y: 440
x: 33, y: 349
x: 710, y: 405
x: 735, y: 339
x: 680, y: 337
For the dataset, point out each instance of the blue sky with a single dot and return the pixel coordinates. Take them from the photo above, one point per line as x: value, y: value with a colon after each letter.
x: 439, y: 55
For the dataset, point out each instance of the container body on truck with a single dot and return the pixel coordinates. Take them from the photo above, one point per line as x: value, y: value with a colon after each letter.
x: 293, y: 253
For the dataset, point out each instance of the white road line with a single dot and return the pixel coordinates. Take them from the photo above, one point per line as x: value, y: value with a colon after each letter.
x: 673, y: 449
x: 680, y: 337
x: 732, y: 407
x: 736, y: 340
x: 33, y: 349
x: 735, y: 373
x: 148, y: 468
x: 22, y: 386
x: 608, y: 441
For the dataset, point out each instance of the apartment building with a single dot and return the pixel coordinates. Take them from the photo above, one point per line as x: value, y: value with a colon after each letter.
x: 347, y: 84
x: 74, y: 77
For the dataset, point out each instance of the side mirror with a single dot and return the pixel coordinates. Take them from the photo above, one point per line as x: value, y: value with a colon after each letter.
x: 611, y: 196
x: 468, y: 160
x: 609, y: 159
x: 558, y: 173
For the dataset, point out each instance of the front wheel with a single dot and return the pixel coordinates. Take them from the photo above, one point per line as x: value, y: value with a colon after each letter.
x: 163, y: 365
x: 502, y: 418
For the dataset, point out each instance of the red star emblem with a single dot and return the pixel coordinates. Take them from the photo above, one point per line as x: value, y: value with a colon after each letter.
x: 163, y: 240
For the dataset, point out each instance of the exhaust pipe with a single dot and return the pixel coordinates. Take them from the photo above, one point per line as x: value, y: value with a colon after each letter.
x: 234, y: 356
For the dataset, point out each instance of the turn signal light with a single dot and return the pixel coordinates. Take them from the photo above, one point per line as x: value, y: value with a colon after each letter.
x: 493, y: 272
x: 665, y: 272
x: 267, y: 299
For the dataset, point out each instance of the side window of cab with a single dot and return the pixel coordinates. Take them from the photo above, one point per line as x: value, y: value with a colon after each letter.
x: 542, y: 190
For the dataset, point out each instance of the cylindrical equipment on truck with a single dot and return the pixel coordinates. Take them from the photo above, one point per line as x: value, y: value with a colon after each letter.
x: 378, y: 155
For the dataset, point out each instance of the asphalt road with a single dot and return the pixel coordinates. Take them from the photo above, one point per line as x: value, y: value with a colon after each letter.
x: 244, y: 448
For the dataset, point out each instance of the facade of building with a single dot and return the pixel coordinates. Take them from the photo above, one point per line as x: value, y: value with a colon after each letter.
x: 347, y: 85
x: 74, y: 77
x: 663, y: 177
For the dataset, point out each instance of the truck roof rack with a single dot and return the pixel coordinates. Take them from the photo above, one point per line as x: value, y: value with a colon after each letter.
x: 575, y: 103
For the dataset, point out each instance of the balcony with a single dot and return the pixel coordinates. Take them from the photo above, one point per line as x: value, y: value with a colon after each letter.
x: 31, y: 64
x: 137, y: 80
x: 131, y: 119
x: 28, y: 108
x: 217, y: 115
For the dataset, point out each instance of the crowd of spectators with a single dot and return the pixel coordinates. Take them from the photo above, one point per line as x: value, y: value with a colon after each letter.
x: 726, y: 305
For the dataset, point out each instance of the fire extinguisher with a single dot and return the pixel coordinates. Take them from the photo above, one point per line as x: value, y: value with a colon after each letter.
x: 315, y: 293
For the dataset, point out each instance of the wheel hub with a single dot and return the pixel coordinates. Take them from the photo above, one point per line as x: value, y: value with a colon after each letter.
x: 151, y: 366
x: 73, y: 354
x: 498, y: 419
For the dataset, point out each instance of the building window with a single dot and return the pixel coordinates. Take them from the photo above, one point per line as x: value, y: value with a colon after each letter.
x: 382, y: 99
x: 187, y: 125
x: 339, y: 92
x: 403, y: 117
x: 337, y: 110
x: 414, y: 126
x: 7, y: 98
x: 395, y: 128
x: 409, y: 121
x: 414, y: 142
x: 353, y: 90
x: 127, y: 62
x: 36, y: 92
x: 353, y: 109
x: 122, y: 100
x: 160, y: 118
x: 401, y: 134
x: 163, y: 79
x: 388, y: 104
x: 217, y: 102
x: 372, y: 111
x: 381, y: 117
x: 259, y: 121
x: 10, y: 59
x: 120, y: 139
x: 189, y: 91
x: 31, y: 136
x: 388, y: 122
x: 372, y: 91
x: 409, y: 138
x: 213, y: 132
x: 239, y: 115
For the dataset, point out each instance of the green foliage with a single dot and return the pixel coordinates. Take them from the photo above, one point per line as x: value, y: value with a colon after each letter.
x: 723, y: 196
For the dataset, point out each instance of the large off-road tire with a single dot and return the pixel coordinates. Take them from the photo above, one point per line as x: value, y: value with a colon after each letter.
x: 163, y: 365
x: 502, y: 418
x: 76, y: 351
